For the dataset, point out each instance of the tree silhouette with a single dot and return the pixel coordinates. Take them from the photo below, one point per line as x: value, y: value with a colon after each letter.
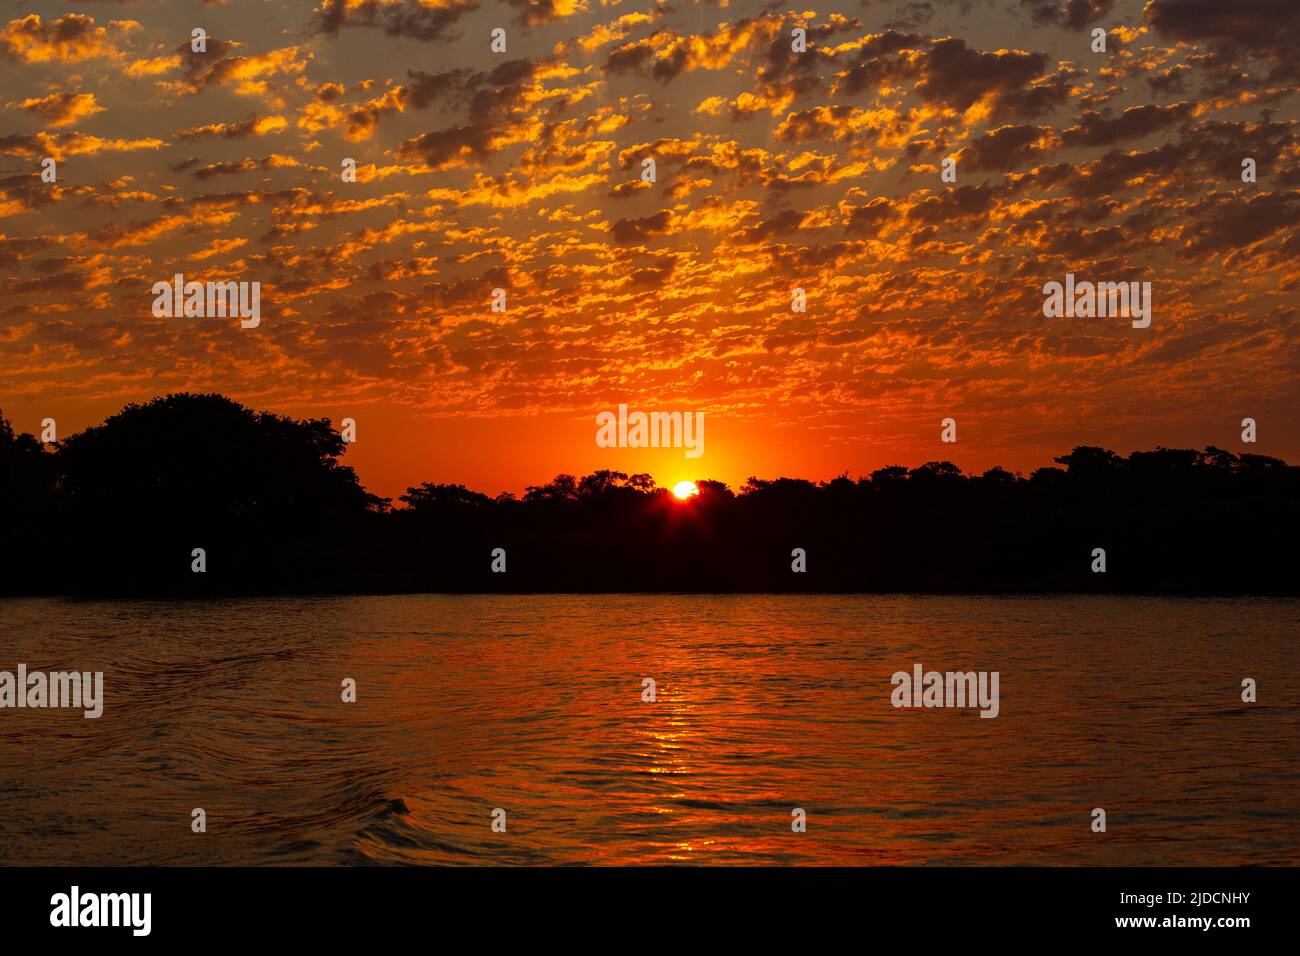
x: 264, y: 496
x: 440, y: 498
x: 120, y: 507
x: 28, y: 510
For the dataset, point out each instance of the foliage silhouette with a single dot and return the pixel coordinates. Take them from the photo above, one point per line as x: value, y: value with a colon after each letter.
x: 119, y: 508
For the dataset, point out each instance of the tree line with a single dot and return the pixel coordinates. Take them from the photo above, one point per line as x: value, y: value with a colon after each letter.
x: 120, y: 508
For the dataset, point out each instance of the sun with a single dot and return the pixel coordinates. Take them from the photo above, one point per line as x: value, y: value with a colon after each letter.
x: 685, y: 489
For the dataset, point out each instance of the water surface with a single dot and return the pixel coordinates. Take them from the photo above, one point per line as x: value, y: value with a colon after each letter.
x: 533, y: 704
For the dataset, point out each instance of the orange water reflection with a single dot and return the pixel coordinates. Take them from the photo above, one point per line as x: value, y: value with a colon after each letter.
x: 533, y: 704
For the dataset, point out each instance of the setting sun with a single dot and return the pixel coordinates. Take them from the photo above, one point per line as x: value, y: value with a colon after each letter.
x: 685, y: 489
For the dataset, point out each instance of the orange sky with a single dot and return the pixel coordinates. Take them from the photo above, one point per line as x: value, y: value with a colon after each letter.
x: 775, y: 169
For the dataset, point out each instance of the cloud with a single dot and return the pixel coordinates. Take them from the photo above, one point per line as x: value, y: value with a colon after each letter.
x: 637, y: 230
x: 68, y: 39
x: 867, y: 221
x: 668, y: 54
x: 219, y: 65
x: 496, y: 99
x: 413, y: 19
x: 1007, y: 147
x: 1264, y: 29
x: 951, y: 206
x: 246, y: 165
x: 534, y: 12
x: 61, y: 109
x: 62, y: 145
x: 954, y: 74
x: 478, y: 171
x: 1073, y: 14
x: 1221, y: 224
x: 1095, y: 129
x: 244, y: 129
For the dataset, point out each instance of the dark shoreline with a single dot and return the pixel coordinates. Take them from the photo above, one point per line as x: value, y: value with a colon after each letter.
x: 217, y: 596
x: 196, y: 495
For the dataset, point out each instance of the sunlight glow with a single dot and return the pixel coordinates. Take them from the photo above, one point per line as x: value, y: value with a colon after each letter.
x: 685, y: 489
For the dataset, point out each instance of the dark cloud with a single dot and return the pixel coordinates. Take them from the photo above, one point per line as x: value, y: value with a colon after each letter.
x: 913, y: 14
x: 785, y: 73
x: 868, y: 220
x: 781, y: 224
x: 1071, y: 13
x: 636, y: 230
x: 493, y: 98
x: 958, y: 76
x: 952, y: 205
x: 877, y: 62
x: 1007, y: 147
x: 409, y: 18
x: 533, y: 12
x: 1084, y: 244
x: 654, y: 276
x: 1172, y: 80
x: 821, y: 122
x: 26, y: 189
x: 20, y: 144
x: 1096, y: 129
x: 1212, y: 149
x: 1035, y: 99
x: 254, y: 125
x: 629, y: 58
x: 424, y: 89
x: 1234, y: 31
x: 1114, y: 171
x: 1230, y: 223
x: 246, y: 165
x: 950, y: 73
x: 206, y: 68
